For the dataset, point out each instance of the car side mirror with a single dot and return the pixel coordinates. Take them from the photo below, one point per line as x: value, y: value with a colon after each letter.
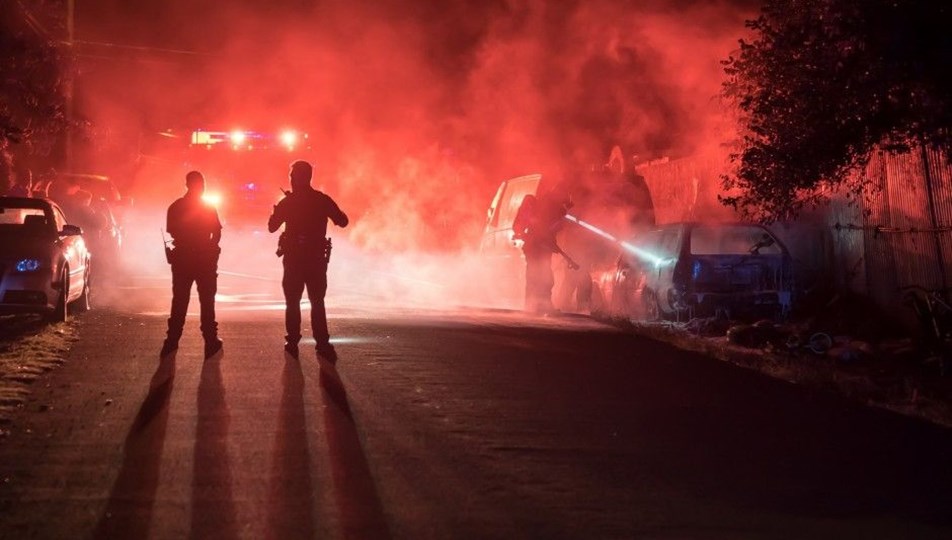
x: 71, y: 230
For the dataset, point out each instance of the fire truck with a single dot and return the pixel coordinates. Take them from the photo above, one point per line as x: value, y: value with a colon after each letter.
x: 246, y: 171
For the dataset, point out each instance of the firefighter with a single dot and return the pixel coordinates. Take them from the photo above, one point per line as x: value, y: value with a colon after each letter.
x: 196, y: 231
x: 305, y: 249
x: 537, y: 222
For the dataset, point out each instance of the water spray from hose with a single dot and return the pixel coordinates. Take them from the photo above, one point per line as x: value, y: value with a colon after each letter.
x: 641, y: 253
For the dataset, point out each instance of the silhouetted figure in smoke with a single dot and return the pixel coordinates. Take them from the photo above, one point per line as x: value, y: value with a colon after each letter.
x: 537, y: 222
x: 196, y: 231
x: 77, y: 206
x: 306, y: 251
x: 22, y: 184
x: 6, y: 170
x: 42, y: 183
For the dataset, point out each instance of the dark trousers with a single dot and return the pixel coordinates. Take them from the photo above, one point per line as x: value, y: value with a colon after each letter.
x: 202, y: 270
x: 301, y: 272
x: 539, y: 278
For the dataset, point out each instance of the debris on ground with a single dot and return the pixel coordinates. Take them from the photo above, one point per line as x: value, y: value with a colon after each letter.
x: 708, y: 326
x: 29, y: 347
x: 840, y: 350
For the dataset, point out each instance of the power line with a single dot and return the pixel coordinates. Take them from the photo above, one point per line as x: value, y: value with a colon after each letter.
x: 141, y: 48
x: 103, y: 57
x: 32, y: 21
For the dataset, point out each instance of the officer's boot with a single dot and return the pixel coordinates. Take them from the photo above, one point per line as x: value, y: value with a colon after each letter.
x: 171, y: 339
x: 212, y: 343
x: 291, y: 345
x: 326, y: 350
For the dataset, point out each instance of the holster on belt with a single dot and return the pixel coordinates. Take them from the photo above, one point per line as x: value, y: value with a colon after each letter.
x: 194, y: 254
x: 296, y: 244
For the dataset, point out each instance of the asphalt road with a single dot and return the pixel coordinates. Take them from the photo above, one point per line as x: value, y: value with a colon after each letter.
x: 466, y: 424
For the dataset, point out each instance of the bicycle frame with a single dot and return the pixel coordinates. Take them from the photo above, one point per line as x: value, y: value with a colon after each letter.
x: 934, y: 314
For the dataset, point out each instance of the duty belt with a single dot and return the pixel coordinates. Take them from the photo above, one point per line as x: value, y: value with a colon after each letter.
x: 294, y: 242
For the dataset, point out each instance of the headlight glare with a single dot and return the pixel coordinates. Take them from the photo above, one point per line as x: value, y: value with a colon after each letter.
x: 28, y: 265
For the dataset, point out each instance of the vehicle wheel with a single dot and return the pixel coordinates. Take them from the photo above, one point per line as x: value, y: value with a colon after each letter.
x: 652, y: 309
x: 81, y: 304
x: 820, y: 342
x: 59, y: 313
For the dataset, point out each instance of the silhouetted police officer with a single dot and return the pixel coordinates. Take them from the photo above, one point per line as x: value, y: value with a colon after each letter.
x: 196, y: 231
x: 306, y: 251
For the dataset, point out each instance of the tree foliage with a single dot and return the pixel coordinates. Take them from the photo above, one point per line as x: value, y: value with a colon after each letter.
x: 33, y: 74
x: 826, y: 82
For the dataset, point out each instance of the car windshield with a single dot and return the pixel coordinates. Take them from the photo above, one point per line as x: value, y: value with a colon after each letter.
x: 731, y: 240
x: 22, y: 219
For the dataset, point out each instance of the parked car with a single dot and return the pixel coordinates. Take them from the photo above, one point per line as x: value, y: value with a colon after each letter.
x: 100, y: 186
x: 97, y: 208
x: 44, y: 263
x: 682, y: 270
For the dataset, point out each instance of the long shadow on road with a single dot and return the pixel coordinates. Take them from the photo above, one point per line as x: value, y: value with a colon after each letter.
x: 213, y: 507
x: 291, y: 494
x: 128, y: 513
x: 358, y: 503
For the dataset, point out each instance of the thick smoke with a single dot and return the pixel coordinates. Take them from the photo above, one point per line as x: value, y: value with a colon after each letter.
x: 416, y: 110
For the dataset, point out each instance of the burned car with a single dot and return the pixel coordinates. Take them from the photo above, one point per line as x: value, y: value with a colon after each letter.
x: 44, y: 263
x: 683, y: 270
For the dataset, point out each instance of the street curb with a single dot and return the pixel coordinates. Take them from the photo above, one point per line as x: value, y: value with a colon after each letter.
x: 872, y: 383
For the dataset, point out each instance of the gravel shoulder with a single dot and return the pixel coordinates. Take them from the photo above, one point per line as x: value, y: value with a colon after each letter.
x: 894, y: 380
x: 29, y: 347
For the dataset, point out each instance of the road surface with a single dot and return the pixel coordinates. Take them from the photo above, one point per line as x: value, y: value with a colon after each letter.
x: 455, y: 424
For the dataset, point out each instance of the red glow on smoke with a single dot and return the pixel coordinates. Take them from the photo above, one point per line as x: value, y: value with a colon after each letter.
x: 414, y: 111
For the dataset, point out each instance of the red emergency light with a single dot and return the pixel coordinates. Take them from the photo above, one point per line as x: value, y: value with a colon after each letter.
x: 239, y: 139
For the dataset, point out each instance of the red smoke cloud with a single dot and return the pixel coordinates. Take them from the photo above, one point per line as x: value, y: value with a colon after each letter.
x: 417, y: 109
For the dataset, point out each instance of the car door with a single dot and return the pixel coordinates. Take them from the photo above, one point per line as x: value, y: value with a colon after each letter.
x: 501, y: 254
x: 498, y: 233
x: 73, y: 249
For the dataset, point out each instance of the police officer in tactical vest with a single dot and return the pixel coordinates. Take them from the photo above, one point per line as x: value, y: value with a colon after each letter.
x: 196, y: 231
x: 306, y: 251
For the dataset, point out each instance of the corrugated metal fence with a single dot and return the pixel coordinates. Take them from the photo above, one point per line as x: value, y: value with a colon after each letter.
x: 901, y: 233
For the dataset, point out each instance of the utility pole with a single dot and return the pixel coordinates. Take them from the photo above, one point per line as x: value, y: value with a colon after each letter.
x: 70, y: 82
